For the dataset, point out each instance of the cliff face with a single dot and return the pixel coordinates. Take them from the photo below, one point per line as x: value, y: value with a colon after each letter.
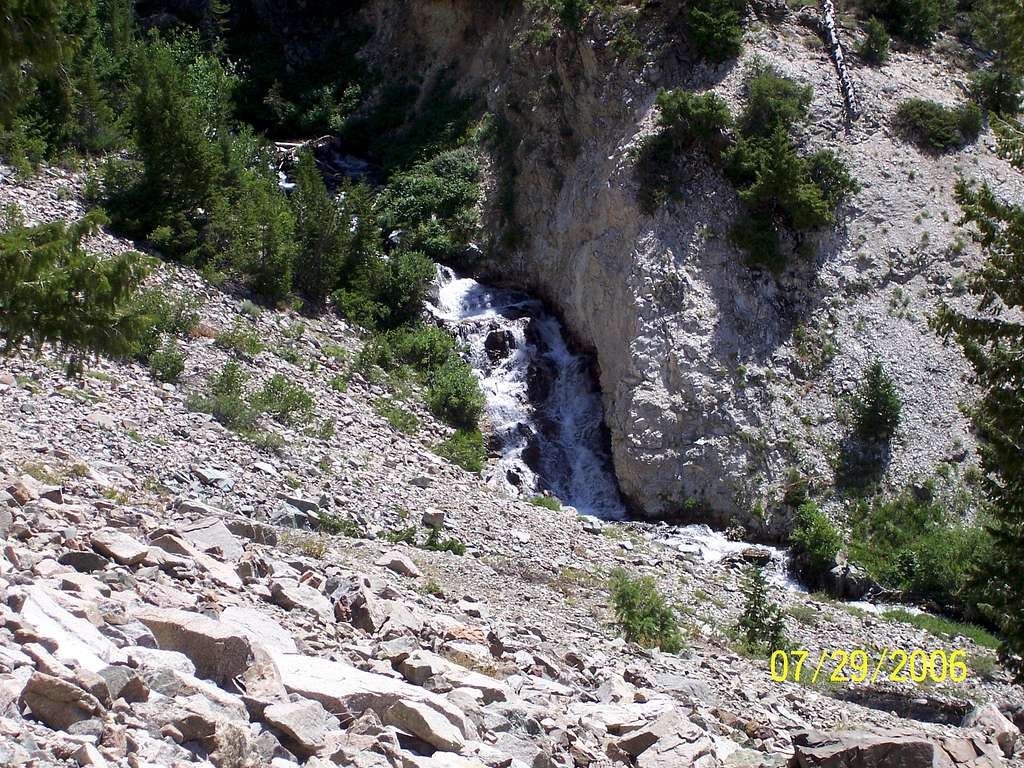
x: 718, y: 378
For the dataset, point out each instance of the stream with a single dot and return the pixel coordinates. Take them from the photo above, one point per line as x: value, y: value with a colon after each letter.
x: 546, y: 416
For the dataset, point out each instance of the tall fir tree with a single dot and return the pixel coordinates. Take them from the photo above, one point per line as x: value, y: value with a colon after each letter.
x: 992, y: 338
x: 321, y: 231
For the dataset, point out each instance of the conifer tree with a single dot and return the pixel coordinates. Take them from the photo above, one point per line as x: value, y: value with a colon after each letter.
x: 877, y: 406
x: 53, y: 291
x: 321, y: 231
x: 992, y: 338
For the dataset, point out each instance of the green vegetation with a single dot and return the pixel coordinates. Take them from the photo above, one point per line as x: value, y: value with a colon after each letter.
x: 916, y: 21
x: 434, y: 541
x: 396, y: 416
x: 877, y: 405
x: 464, y: 448
x: 782, y: 190
x: 994, y: 345
x: 167, y: 362
x: 243, y: 339
x: 226, y: 401
x: 548, y: 502
x: 916, y: 542
x: 691, y: 118
x: 642, y: 613
x: 815, y: 541
x: 760, y: 627
x: 943, y: 628
x: 283, y: 401
x: 936, y: 128
x: 715, y: 29
x: 55, y: 292
x: 874, y: 48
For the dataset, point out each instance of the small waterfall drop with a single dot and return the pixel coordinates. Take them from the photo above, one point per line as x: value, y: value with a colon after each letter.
x: 543, y: 404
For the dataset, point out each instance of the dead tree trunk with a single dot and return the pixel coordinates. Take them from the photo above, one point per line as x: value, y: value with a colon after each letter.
x: 835, y: 49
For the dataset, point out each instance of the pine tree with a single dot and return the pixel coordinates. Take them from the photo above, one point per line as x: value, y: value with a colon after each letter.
x: 992, y: 338
x: 53, y: 291
x: 761, y: 624
x: 877, y: 405
x: 182, y: 165
x: 321, y: 231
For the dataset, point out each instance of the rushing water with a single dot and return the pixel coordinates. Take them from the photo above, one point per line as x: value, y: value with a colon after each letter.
x: 546, y: 415
x: 543, y: 405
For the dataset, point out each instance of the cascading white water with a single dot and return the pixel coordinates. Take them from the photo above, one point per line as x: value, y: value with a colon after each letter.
x: 546, y: 415
x: 543, y: 405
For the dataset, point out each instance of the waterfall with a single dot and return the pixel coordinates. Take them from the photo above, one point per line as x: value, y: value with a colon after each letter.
x: 543, y: 404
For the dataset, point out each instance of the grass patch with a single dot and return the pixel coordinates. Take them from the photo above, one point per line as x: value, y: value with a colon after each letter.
x: 548, y: 502
x: 396, y: 416
x: 465, y: 448
x: 944, y: 628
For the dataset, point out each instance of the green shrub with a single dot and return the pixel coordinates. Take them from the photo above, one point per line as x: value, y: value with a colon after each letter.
x: 642, y: 613
x: 283, y: 401
x: 715, y: 29
x: 243, y: 339
x: 434, y: 205
x: 465, y: 448
x: 912, y: 542
x: 761, y: 626
x: 937, y: 128
x: 692, y: 118
x: 916, y: 21
x: 435, y: 543
x: 877, y: 405
x: 402, y: 535
x: 874, y: 48
x: 453, y: 394
x: 815, y: 541
x: 225, y: 401
x: 548, y: 502
x: 167, y: 363
x: 997, y: 90
x: 396, y: 416
x: 773, y: 101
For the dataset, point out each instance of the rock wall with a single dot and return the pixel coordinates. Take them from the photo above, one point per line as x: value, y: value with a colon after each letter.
x: 718, y: 378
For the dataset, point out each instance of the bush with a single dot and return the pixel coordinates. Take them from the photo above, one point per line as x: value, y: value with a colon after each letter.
x: 224, y: 399
x: 761, y: 626
x: 692, y: 118
x: 453, y: 394
x: 997, y: 90
x: 715, y: 29
x: 774, y: 101
x: 877, y: 406
x: 466, y: 449
x: 874, y: 48
x: 815, y: 541
x: 643, y: 614
x: 243, y: 339
x: 167, y: 363
x: 937, y: 128
x: 916, y: 21
x: 283, y: 401
x: 435, y: 543
x: 913, y: 543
